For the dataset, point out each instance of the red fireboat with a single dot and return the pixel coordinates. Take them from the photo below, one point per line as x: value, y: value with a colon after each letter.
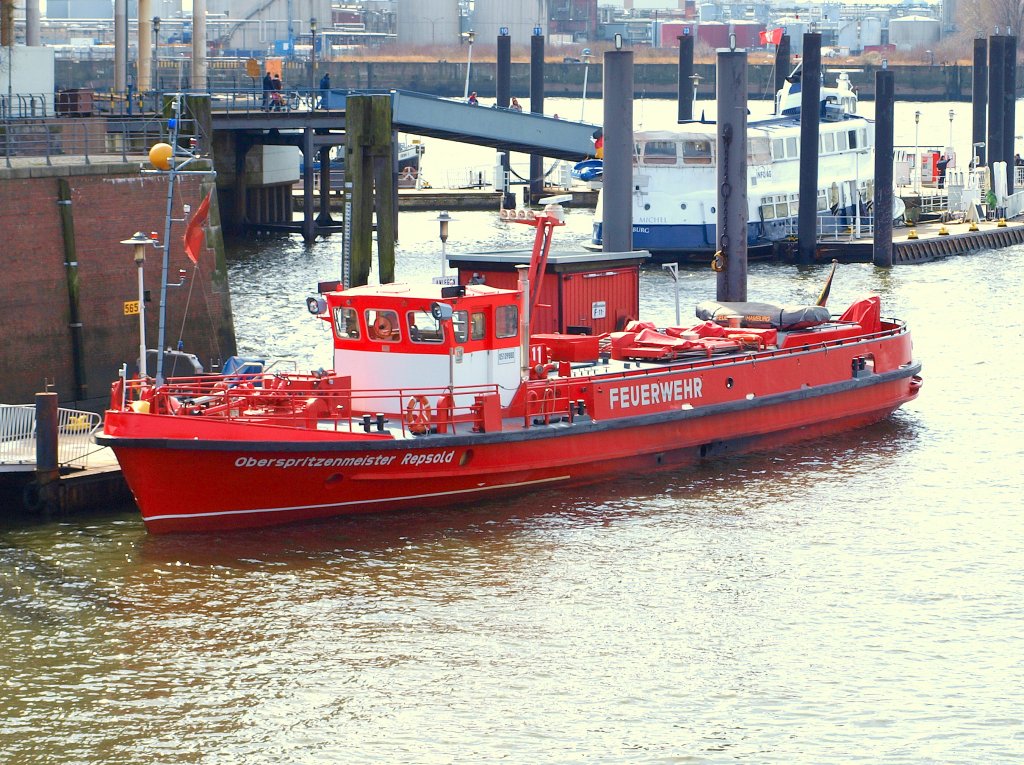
x: 442, y: 395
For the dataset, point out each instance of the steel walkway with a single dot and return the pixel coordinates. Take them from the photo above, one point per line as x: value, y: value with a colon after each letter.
x: 431, y: 116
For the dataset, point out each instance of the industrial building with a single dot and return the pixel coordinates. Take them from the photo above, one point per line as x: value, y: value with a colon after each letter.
x: 290, y: 28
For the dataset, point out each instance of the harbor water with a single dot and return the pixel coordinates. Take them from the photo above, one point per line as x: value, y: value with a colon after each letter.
x: 849, y: 600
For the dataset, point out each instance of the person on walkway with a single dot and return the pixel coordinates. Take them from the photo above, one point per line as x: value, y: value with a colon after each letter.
x: 941, y: 167
x: 268, y: 86
x: 277, y: 96
x: 472, y: 99
x: 325, y: 85
x: 990, y: 204
x: 515, y: 105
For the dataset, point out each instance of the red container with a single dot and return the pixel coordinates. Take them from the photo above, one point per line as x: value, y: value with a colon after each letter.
x: 570, y: 347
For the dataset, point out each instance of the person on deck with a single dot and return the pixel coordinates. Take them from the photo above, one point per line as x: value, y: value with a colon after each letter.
x: 472, y: 99
x: 515, y: 105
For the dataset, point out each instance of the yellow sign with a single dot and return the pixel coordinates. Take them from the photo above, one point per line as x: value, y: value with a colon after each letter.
x: 131, y: 308
x: 252, y: 67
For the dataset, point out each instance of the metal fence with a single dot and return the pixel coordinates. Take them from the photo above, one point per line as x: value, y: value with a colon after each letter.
x: 18, y: 436
x: 85, y: 138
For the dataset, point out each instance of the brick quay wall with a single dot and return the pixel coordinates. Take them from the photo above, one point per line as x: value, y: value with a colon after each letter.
x: 60, y: 250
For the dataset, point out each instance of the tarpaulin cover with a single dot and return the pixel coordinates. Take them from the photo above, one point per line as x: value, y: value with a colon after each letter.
x: 765, y: 315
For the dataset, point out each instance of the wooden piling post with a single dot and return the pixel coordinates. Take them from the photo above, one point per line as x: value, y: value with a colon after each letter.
x: 810, y: 112
x: 536, y: 107
x: 684, y: 80
x: 617, y: 198
x: 881, y: 248
x: 1009, y: 106
x: 47, y: 467
x: 782, y: 63
x: 996, y: 102
x: 979, y: 100
x: 368, y: 161
x: 731, y: 230
x: 385, y: 183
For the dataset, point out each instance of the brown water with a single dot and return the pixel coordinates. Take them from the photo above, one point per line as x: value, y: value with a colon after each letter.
x: 852, y: 600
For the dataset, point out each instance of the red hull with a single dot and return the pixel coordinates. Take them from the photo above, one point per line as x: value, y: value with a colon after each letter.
x: 213, y: 475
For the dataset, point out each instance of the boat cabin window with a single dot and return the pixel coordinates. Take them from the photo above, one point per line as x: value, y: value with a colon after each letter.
x: 382, y: 325
x: 828, y: 143
x: 346, y: 323
x: 842, y: 141
x: 460, y: 326
x: 777, y: 148
x: 758, y: 151
x: 478, y: 327
x: 506, y: 319
x: 659, y: 152
x: 854, y: 143
x: 791, y: 151
x: 424, y: 328
x: 697, y: 152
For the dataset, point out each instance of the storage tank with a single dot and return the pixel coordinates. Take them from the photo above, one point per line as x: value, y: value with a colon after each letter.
x: 871, y: 31
x: 519, y: 16
x: 710, y: 12
x: 254, y: 25
x: 796, y: 29
x: 427, y: 22
x: 911, y: 32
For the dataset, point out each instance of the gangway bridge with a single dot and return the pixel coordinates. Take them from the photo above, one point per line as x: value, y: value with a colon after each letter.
x: 314, y: 121
x: 419, y: 114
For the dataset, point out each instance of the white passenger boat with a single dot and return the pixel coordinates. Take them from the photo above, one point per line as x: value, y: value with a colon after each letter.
x: 675, y: 175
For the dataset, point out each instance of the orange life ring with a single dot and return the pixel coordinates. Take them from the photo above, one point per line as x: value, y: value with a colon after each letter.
x: 417, y: 415
x: 382, y: 327
x: 747, y: 341
x: 718, y: 262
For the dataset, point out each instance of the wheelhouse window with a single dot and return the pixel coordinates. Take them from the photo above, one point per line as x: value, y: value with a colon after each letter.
x: 777, y: 149
x: 759, y: 151
x: 460, y: 326
x: 382, y: 325
x: 424, y: 328
x: 659, y: 152
x: 697, y: 152
x: 346, y: 323
x: 478, y: 326
x: 791, y: 151
x: 828, y: 143
x: 506, y: 319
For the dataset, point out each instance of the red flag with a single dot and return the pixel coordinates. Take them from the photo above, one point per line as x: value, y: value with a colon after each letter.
x: 194, y: 234
x: 776, y: 36
x: 763, y: 37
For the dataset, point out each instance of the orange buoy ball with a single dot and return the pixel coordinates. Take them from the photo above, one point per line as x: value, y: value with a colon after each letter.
x: 160, y: 156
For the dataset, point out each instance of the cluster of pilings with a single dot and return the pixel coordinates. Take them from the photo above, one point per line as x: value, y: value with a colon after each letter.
x: 1001, y: 74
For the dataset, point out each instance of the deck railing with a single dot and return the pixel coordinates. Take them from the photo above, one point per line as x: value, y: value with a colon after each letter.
x: 18, y: 436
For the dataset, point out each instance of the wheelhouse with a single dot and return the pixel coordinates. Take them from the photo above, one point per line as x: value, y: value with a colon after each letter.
x: 427, y: 336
